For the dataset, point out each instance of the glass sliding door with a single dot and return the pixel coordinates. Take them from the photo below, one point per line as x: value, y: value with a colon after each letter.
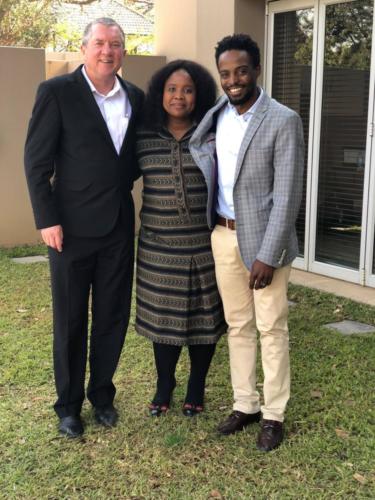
x: 320, y: 63
x: 343, y: 132
x: 291, y: 78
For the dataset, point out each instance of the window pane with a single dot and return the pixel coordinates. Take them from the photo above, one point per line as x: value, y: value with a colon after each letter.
x: 291, y: 78
x: 347, y: 54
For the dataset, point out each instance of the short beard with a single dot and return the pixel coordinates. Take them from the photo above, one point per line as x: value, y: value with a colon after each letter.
x: 243, y: 100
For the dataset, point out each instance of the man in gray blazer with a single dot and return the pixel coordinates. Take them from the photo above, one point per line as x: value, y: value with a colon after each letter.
x: 250, y: 150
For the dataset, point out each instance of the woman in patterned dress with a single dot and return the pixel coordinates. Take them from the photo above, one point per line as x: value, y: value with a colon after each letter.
x: 177, y: 298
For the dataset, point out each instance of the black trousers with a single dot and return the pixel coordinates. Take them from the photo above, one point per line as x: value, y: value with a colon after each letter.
x: 166, y: 358
x: 103, y: 266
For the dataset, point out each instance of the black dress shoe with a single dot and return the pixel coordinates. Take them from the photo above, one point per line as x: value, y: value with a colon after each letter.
x: 71, y: 426
x: 270, y: 436
x: 106, y: 415
x: 237, y: 421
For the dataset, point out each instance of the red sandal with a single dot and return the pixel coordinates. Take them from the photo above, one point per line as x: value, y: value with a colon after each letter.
x: 190, y: 410
x: 158, y: 409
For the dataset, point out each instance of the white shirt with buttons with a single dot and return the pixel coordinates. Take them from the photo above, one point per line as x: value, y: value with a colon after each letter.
x: 230, y: 131
x: 115, y: 108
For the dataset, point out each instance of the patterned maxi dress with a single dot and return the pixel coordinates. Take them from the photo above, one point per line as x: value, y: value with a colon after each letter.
x: 177, y: 298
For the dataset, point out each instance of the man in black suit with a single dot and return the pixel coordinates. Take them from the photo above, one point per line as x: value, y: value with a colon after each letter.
x: 80, y: 166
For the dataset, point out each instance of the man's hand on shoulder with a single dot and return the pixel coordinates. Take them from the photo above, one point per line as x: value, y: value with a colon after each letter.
x: 53, y: 237
x: 261, y: 275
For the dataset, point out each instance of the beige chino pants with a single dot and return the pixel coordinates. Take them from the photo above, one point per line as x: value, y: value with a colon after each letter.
x: 247, y: 311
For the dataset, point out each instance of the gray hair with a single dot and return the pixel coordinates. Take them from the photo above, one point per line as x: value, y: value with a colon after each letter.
x: 106, y: 21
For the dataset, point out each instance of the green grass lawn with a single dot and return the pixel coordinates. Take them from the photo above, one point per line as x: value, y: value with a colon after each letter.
x: 329, y: 451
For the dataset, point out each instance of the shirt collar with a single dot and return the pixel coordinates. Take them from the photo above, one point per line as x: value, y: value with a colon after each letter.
x: 245, y: 116
x: 116, y: 88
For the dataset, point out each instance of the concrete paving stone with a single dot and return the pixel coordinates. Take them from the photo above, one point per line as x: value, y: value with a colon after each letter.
x: 30, y: 260
x: 348, y: 327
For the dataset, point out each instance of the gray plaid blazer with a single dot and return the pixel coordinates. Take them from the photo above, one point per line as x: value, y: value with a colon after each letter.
x: 268, y: 180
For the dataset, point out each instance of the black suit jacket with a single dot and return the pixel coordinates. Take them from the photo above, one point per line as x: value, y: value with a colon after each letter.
x: 74, y: 174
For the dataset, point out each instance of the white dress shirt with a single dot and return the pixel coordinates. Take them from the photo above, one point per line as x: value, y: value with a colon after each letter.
x: 230, y: 131
x: 115, y: 108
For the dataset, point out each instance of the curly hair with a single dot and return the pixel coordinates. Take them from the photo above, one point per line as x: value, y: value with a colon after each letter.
x: 154, y: 115
x: 239, y: 41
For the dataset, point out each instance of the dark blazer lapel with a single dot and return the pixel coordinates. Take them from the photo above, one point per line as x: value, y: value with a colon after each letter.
x: 89, y: 99
x: 254, y: 124
x: 131, y: 93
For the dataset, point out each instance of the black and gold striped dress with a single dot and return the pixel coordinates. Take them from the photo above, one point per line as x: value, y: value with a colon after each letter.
x: 177, y: 298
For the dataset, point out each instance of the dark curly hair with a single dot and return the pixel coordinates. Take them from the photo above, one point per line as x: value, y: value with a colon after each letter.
x: 154, y: 116
x: 239, y: 41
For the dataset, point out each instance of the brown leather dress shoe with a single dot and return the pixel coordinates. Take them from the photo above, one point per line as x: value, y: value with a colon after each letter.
x: 237, y: 421
x: 270, y: 436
